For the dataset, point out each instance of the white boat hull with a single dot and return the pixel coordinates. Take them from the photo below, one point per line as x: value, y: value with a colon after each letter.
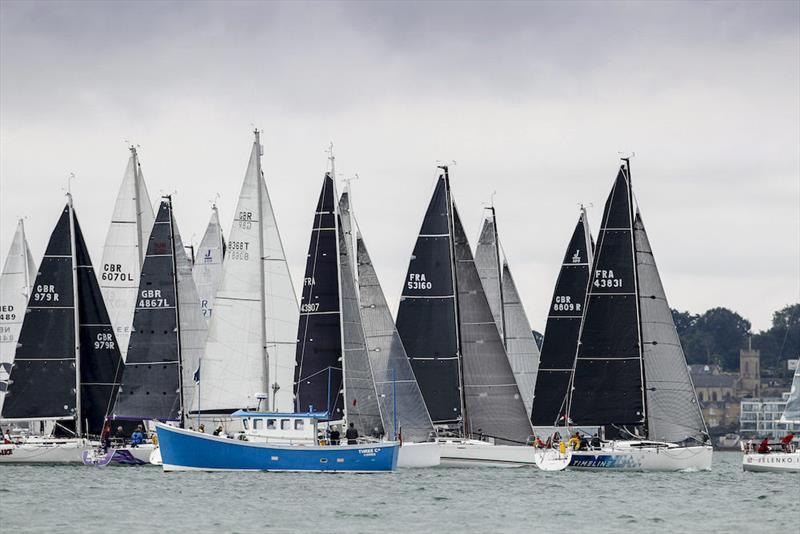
x: 416, y: 455
x: 632, y: 456
x: 474, y: 453
x: 774, y: 462
x: 155, y: 457
x: 46, y: 451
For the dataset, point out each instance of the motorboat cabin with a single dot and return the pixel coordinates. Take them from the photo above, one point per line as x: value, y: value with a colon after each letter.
x: 281, y: 428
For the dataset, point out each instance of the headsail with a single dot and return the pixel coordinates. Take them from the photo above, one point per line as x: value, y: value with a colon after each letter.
x: 50, y: 363
x: 169, y: 330
x: 207, y: 269
x: 426, y: 317
x: 791, y: 414
x: 318, y: 371
x: 607, y: 387
x: 124, y: 250
x: 16, y: 280
x: 562, y: 329
x: 252, y: 333
x: 493, y: 404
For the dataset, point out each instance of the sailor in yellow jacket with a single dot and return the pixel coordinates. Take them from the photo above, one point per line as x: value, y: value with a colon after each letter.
x: 575, y: 442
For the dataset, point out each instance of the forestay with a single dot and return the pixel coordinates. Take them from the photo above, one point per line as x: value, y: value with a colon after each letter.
x: 207, y: 268
x: 19, y: 273
x: 124, y: 250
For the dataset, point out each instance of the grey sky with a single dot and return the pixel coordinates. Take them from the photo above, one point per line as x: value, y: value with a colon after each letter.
x: 533, y: 100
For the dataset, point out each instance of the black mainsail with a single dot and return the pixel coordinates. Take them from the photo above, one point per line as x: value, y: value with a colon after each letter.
x: 168, y: 330
x: 562, y: 329
x: 66, y: 343
x: 450, y: 334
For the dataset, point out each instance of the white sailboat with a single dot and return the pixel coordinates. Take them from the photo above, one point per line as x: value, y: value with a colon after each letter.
x: 124, y: 250
x: 207, y: 269
x: 16, y: 281
x: 782, y: 457
x: 253, y: 328
x: 509, y: 314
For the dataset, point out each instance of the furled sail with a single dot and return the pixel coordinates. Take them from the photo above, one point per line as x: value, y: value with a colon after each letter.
x: 507, y: 309
x: 791, y: 414
x: 252, y: 333
x: 673, y: 412
x: 607, y: 387
x: 426, y: 317
x: 562, y: 329
x: 168, y: 334
x: 50, y: 364
x: 16, y: 281
x: 361, y: 403
x: 207, y: 268
x: 124, y: 250
x: 318, y: 370
x: 493, y: 404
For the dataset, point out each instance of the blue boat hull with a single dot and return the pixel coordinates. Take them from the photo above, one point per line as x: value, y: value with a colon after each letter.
x: 186, y: 450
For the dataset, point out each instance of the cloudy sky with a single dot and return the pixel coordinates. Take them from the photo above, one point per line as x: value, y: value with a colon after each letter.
x: 534, y: 101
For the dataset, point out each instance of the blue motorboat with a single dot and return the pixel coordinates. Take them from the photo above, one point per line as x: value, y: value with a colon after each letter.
x: 272, y: 442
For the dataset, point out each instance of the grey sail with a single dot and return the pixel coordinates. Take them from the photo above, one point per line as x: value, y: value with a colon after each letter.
x: 673, y: 413
x: 402, y: 407
x: 791, y: 414
x: 487, y: 261
x: 361, y: 403
x: 523, y: 352
x: 492, y: 399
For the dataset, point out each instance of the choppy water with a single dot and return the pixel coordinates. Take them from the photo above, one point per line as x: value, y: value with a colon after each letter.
x: 144, y: 499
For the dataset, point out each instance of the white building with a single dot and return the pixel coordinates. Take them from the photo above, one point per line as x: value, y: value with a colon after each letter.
x: 760, y: 418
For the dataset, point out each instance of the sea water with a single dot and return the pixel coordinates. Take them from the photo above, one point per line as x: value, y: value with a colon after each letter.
x: 147, y: 500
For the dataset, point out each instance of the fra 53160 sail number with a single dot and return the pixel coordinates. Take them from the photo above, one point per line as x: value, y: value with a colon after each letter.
x: 418, y: 281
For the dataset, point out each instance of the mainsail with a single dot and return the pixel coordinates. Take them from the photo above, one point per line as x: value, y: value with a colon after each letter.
x: 67, y: 343
x: 562, y: 329
x: 124, y: 250
x: 630, y: 372
x: 450, y: 334
x: 509, y: 314
x: 791, y: 414
x: 207, y: 269
x: 16, y: 281
x: 251, y: 338
x: 168, y: 330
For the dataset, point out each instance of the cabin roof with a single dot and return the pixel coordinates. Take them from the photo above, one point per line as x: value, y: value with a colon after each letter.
x: 291, y: 415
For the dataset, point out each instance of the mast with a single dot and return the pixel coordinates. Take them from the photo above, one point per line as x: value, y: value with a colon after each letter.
x: 262, y: 278
x: 499, y: 277
x: 450, y: 224
x: 332, y: 160
x: 177, y: 311
x: 75, y: 319
x: 627, y: 164
x: 136, y: 179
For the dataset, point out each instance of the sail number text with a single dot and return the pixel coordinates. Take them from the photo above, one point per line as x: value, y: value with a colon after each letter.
x: 45, y: 293
x: 152, y: 298
x: 238, y: 250
x: 245, y: 220
x: 418, y: 281
x: 113, y: 272
x: 104, y: 341
x: 7, y: 313
x: 565, y: 304
x: 606, y: 278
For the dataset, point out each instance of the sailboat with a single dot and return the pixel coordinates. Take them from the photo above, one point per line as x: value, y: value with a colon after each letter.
x: 330, y: 340
x: 253, y: 327
x: 509, y: 314
x: 16, y: 281
x: 455, y: 349
x: 207, y: 269
x: 630, y: 377
x: 168, y: 337
x: 782, y: 457
x: 124, y: 250
x: 402, y: 409
x: 67, y: 364
x: 562, y: 329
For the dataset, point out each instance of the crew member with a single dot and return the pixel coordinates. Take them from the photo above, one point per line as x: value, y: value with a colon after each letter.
x: 351, y: 435
x: 335, y: 435
x: 137, y: 437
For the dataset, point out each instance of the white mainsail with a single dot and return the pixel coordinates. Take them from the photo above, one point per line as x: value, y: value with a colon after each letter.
x: 207, y: 270
x: 124, y: 250
x: 791, y: 414
x: 253, y: 330
x: 18, y: 275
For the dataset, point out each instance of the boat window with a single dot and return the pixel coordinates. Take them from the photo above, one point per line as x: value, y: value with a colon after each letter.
x: 286, y: 424
x: 256, y: 424
x: 245, y: 423
x: 270, y: 424
x: 298, y: 424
